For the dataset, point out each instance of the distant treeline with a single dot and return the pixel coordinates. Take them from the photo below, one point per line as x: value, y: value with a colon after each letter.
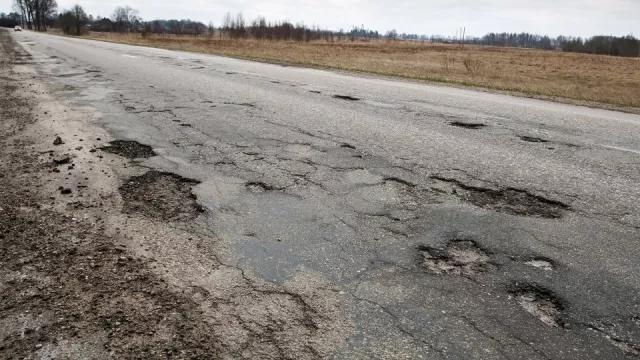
x: 600, y: 45
x: 38, y: 14
x: 10, y: 20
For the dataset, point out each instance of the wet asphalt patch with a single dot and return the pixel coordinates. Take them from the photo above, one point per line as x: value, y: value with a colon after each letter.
x: 459, y: 257
x: 345, y: 97
x: 473, y: 126
x: 129, y: 149
x: 539, y: 302
x: 510, y: 200
x: 160, y: 195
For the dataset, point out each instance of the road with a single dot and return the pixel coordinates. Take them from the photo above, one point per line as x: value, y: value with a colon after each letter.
x: 400, y: 219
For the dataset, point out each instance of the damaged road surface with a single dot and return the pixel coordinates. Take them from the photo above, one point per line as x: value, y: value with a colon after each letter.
x: 153, y: 209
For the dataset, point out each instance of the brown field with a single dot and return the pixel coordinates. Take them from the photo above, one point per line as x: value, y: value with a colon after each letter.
x: 584, y: 78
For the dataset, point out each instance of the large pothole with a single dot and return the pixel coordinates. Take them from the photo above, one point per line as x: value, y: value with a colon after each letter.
x: 160, y: 195
x: 129, y: 149
x: 539, y: 302
x: 466, y: 125
x: 459, y: 257
x: 511, y: 200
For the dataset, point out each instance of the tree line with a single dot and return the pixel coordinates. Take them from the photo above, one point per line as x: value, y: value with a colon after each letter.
x: 10, y: 20
x: 627, y: 46
x: 37, y: 14
x: 40, y: 14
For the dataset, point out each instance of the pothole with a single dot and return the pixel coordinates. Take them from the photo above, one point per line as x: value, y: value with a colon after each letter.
x: 511, y: 201
x: 258, y: 187
x: 540, y: 263
x: 460, y: 257
x: 533, y: 139
x: 129, y: 149
x: 539, y: 302
x: 467, y: 125
x: 160, y: 195
x: 345, y: 97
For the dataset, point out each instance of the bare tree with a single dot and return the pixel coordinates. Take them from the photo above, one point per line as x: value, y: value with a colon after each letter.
x: 80, y: 18
x: 226, y: 24
x: 211, y: 30
x: 126, y: 18
x: 36, y: 13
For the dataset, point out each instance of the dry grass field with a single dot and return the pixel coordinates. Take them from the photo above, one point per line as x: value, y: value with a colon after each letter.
x: 579, y: 77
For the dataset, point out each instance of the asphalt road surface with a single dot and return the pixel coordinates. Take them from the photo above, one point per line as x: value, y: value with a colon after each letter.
x: 403, y: 220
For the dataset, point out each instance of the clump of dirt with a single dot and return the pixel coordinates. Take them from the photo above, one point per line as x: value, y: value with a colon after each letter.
x: 345, y: 97
x: 539, y: 302
x: 465, y: 125
x: 160, y: 195
x: 533, y: 139
x: 511, y: 200
x: 459, y: 257
x: 129, y: 149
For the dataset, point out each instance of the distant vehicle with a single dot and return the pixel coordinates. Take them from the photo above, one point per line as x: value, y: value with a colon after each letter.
x: 17, y: 28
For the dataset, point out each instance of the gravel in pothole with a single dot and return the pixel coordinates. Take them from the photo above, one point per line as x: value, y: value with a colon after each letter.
x: 160, y: 195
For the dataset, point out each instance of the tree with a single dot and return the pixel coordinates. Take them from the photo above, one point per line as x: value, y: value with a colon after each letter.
x: 37, y: 13
x: 73, y: 21
x: 80, y: 18
x: 126, y: 19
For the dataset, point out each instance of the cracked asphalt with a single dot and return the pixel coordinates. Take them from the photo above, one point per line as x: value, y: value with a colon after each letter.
x: 314, y: 214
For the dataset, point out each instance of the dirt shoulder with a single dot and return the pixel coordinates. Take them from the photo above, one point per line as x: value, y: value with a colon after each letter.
x: 80, y: 274
x: 70, y: 289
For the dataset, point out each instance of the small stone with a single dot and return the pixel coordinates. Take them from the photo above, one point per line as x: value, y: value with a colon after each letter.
x: 92, y: 150
x: 65, y: 191
x: 38, y: 346
x: 58, y: 141
x: 62, y: 160
x: 79, y: 148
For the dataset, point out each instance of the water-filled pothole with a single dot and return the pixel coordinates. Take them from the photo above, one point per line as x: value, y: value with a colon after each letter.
x: 129, y: 149
x: 459, y: 257
x: 160, y: 195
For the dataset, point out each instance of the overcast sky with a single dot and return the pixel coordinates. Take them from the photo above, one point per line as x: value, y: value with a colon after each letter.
x: 552, y: 17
